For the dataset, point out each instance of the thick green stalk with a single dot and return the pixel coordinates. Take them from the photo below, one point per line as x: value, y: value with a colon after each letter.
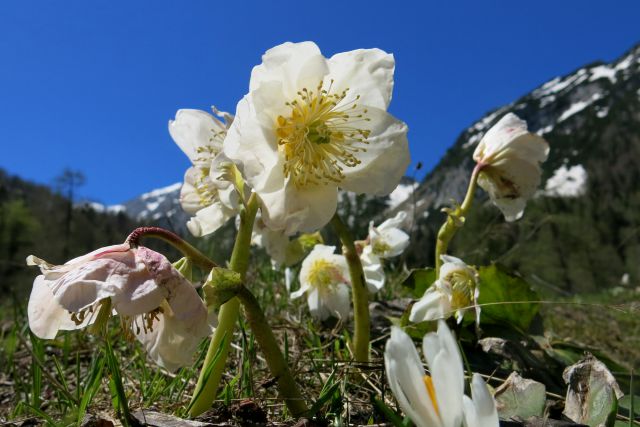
x: 359, y: 292
x: 227, y: 317
x: 455, y: 219
x: 287, y: 387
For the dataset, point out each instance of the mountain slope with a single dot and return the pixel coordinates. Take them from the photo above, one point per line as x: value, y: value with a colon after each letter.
x: 581, y: 232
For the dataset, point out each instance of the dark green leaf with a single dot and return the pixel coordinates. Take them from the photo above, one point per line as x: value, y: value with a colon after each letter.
x: 505, y: 298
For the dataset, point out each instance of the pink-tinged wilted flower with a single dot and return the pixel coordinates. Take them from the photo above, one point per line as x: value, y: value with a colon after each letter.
x: 509, y: 159
x: 161, y: 307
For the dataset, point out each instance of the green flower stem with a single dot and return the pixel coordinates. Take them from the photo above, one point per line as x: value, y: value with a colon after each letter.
x: 227, y: 317
x: 455, y: 219
x: 287, y: 387
x: 174, y: 240
x: 359, y: 291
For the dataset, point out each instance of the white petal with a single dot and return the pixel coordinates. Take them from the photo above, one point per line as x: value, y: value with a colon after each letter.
x: 305, y: 209
x: 445, y: 364
x: 338, y: 301
x: 365, y: 72
x: 405, y: 374
x: 373, y: 270
x: 210, y: 219
x: 433, y: 305
x: 486, y: 414
x: 294, y: 65
x: 319, y: 310
x: 386, y: 159
x: 173, y: 339
x: 46, y: 316
x: 193, y: 129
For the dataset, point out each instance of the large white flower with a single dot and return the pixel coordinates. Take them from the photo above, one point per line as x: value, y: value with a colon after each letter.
x: 455, y: 290
x: 163, y: 309
x: 207, y: 193
x: 324, y: 277
x: 310, y: 125
x: 388, y: 239
x: 509, y: 157
x: 437, y: 400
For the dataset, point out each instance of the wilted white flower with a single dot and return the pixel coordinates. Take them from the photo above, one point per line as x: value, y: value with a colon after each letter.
x: 388, y: 240
x: 455, y: 290
x: 162, y: 308
x: 324, y: 277
x: 310, y: 125
x: 437, y: 400
x: 208, y: 194
x: 509, y: 159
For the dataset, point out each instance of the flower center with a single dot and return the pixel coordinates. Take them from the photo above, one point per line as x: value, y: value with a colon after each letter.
x: 324, y: 274
x: 428, y: 383
x: 321, y: 137
x: 206, y: 192
x: 463, y: 289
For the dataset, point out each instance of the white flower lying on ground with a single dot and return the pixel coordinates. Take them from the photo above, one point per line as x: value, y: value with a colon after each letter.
x: 509, y: 157
x: 455, y: 290
x: 437, y: 400
x: 324, y: 277
x: 162, y: 308
x: 310, y: 125
x: 207, y: 193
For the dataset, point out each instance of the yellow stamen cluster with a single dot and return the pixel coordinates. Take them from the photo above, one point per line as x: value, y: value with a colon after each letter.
x: 130, y: 324
x: 463, y: 290
x: 204, y: 189
x: 324, y: 274
x: 320, y: 137
x: 79, y: 317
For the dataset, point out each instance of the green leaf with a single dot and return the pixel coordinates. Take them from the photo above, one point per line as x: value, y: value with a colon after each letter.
x: 505, y: 298
x: 419, y: 280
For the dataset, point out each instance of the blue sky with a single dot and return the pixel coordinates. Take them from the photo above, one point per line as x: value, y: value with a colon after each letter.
x: 91, y: 84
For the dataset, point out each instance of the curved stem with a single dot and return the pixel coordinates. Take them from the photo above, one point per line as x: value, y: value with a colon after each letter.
x: 205, y: 391
x: 359, y: 291
x: 174, y: 240
x: 453, y: 221
x: 287, y: 387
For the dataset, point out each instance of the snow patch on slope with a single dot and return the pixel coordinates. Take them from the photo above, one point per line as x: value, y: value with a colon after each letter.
x: 567, y: 182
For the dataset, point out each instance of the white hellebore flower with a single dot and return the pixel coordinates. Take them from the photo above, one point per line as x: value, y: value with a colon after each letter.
x: 455, y: 290
x: 509, y: 159
x: 437, y: 400
x: 162, y: 308
x: 310, y: 125
x: 324, y: 277
x: 388, y: 240
x: 207, y: 193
